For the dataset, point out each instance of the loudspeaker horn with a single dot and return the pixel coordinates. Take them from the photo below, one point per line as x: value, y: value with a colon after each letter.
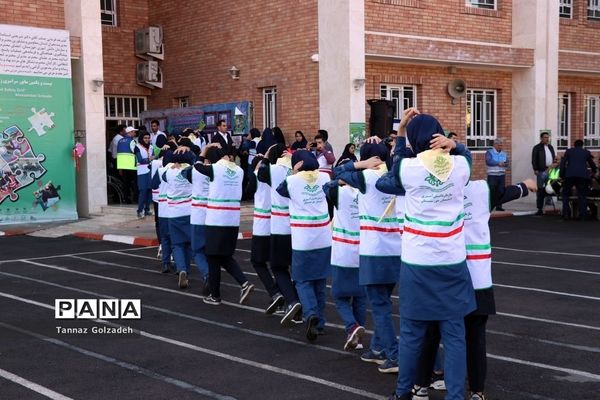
x: 456, y: 89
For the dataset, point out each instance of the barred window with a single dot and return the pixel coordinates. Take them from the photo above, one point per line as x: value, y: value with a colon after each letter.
x: 403, y: 97
x: 481, y: 118
x: 487, y: 4
x: 269, y: 107
x: 564, y: 120
x: 591, y: 123
x: 108, y: 12
x: 593, y: 9
x: 566, y: 8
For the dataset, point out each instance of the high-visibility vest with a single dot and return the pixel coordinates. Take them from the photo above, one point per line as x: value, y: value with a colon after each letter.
x: 125, y: 155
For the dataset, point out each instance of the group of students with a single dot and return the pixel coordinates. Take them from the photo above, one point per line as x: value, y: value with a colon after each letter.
x: 410, y: 218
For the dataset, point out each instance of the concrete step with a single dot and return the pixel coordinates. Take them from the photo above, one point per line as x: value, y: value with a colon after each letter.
x: 125, y: 209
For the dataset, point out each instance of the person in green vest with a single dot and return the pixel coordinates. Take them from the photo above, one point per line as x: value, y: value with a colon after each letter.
x: 126, y: 164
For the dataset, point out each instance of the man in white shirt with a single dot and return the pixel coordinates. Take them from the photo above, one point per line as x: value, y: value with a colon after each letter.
x: 112, y: 148
x: 157, y: 137
x: 542, y: 158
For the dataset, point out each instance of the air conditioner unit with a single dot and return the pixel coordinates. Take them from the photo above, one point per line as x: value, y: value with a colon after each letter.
x: 149, y: 74
x: 149, y: 43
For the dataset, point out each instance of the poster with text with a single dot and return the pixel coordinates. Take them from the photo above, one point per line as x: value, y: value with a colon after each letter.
x: 37, y: 171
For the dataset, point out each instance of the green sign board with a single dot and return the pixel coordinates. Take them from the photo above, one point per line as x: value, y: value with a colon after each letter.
x: 357, y: 133
x: 37, y: 171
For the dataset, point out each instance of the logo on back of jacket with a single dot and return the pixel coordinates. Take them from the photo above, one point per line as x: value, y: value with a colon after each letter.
x: 433, y: 181
x: 312, y: 190
x: 230, y: 174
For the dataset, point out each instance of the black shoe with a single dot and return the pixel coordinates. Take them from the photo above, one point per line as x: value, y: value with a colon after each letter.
x: 311, y: 328
x: 290, y: 313
x: 247, y: 288
x: 278, y: 300
x: 539, y: 212
x: 166, y: 268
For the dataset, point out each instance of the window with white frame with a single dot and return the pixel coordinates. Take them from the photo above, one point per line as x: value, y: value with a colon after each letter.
x: 564, y: 120
x: 183, y: 102
x: 270, y: 107
x: 123, y: 110
x: 481, y: 118
x: 108, y: 12
x: 487, y: 4
x: 565, y: 8
x: 593, y: 9
x: 403, y: 97
x: 591, y: 123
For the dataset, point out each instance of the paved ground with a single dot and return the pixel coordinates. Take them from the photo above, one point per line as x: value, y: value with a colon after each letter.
x: 544, y: 344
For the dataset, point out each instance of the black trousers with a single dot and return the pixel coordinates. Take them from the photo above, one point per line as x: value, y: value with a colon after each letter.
x: 475, y: 326
x: 266, y: 278
x: 130, y: 185
x: 214, y: 272
x: 582, y: 185
x: 284, y: 283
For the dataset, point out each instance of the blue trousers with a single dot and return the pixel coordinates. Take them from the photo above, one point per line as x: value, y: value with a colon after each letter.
x: 312, y: 297
x: 412, y: 336
x: 180, y: 231
x: 352, y: 310
x: 384, y: 336
x: 165, y: 240
x: 198, y: 245
x: 145, y: 193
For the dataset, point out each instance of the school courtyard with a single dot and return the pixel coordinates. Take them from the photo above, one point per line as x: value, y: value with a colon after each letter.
x: 543, y: 344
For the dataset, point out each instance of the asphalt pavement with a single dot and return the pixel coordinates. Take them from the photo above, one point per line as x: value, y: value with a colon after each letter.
x: 544, y: 344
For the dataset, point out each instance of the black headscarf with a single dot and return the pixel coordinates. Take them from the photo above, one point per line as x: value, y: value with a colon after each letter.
x: 301, y: 144
x: 310, y: 161
x: 420, y: 131
x: 276, y: 152
x: 278, y: 135
x: 368, y: 150
x: 346, y: 155
x: 266, y: 140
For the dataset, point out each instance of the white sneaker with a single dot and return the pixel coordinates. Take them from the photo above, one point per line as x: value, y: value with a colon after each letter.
x: 420, y: 393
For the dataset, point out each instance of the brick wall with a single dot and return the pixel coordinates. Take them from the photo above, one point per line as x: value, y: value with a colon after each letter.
x: 270, y: 42
x: 118, y: 49
x: 579, y: 33
x: 433, y: 98
x: 38, y: 13
x: 578, y: 87
x: 440, y: 19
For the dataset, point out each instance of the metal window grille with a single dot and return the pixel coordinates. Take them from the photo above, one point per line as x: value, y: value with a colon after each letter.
x: 593, y: 9
x: 487, y: 4
x: 108, y: 12
x: 564, y: 120
x: 403, y: 97
x: 565, y: 8
x: 123, y: 110
x: 183, y: 102
x: 591, y: 123
x: 481, y: 118
x: 269, y: 107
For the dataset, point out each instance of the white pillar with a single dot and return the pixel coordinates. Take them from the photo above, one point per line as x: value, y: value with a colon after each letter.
x: 83, y: 19
x: 341, y: 62
x: 534, y: 90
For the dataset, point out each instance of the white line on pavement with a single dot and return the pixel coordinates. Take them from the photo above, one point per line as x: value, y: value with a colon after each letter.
x: 560, y: 253
x: 186, y: 316
x: 73, y: 254
x: 524, y: 317
x: 123, y: 364
x: 581, y: 271
x: 229, y: 357
x: 579, y: 296
x: 44, y: 391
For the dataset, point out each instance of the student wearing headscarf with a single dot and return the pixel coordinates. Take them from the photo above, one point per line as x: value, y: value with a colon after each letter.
x: 380, y: 250
x: 278, y: 135
x: 144, y: 154
x: 311, y: 237
x: 300, y: 141
x: 350, y: 297
x: 179, y: 201
x: 266, y: 141
x: 348, y: 154
x: 222, y: 220
x: 436, y: 287
x: 272, y: 171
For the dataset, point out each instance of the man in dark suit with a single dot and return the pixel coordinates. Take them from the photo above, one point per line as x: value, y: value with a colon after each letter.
x: 542, y: 158
x: 574, y: 171
x: 223, y: 137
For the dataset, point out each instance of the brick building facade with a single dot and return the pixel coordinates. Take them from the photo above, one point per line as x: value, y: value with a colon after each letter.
x: 527, y: 64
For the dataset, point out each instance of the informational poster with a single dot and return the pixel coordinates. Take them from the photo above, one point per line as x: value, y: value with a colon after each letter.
x: 357, y: 133
x: 37, y: 171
